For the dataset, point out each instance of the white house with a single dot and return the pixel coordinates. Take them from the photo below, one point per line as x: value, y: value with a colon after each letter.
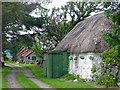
x: 84, y: 44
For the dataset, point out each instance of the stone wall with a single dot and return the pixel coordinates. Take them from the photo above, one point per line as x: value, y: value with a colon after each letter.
x: 81, y: 64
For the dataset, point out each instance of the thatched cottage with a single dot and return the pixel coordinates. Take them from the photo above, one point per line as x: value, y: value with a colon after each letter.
x: 84, y: 44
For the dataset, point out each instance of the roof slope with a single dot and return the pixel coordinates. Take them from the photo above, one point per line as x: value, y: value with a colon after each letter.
x: 24, y: 52
x: 86, y: 35
x: 20, y: 51
x: 28, y: 53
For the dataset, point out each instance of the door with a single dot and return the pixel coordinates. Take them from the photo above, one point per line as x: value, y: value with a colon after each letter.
x: 57, y: 65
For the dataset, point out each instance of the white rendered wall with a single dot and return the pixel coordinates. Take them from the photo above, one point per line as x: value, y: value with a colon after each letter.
x: 82, y: 64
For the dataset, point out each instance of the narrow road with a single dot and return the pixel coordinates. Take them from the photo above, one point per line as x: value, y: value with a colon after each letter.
x: 27, y: 73
x: 10, y: 78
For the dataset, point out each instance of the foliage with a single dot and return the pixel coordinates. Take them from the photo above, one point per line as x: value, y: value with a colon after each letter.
x: 111, y: 60
x: 57, y: 25
x: 78, y: 11
x: 5, y: 56
x: 111, y: 57
x: 14, y: 45
x: 113, y: 36
x: 42, y: 45
x: 109, y: 79
x: 69, y: 77
x: 51, y: 28
x: 11, y: 13
x: 36, y: 49
x: 72, y: 77
x: 93, y: 69
x: 16, y: 18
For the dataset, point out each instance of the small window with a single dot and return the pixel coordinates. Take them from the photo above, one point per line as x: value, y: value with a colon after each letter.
x: 29, y: 57
x: 33, y: 58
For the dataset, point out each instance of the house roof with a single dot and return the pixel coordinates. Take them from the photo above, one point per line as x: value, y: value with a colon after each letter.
x: 28, y: 53
x: 86, y: 35
x: 20, y: 51
x: 24, y: 51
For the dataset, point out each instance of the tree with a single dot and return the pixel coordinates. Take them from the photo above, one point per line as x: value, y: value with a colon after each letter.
x: 78, y: 11
x: 16, y: 18
x: 57, y: 25
x: 5, y: 56
x: 42, y: 45
x: 111, y: 57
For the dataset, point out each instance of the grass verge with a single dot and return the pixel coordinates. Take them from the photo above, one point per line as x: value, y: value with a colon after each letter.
x: 60, y: 83
x: 5, y: 70
x: 56, y: 83
x: 24, y: 81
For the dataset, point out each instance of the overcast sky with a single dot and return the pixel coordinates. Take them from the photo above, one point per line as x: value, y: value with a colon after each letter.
x: 55, y: 3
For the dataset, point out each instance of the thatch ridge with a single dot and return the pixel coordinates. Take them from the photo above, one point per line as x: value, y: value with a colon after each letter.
x: 86, y: 35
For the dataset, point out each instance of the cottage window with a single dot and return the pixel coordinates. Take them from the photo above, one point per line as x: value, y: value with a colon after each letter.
x: 28, y: 57
x: 33, y: 58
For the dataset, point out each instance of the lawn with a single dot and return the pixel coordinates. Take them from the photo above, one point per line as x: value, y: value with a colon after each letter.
x: 56, y: 83
x: 24, y: 81
x: 5, y: 70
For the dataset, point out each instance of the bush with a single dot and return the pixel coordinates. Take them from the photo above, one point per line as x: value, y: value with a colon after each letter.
x: 111, y: 57
x: 108, y: 76
x: 93, y: 69
x: 72, y: 77
x: 108, y: 79
x: 68, y: 77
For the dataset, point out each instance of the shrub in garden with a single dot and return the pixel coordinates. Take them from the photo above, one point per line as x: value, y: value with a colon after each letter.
x: 72, y: 77
x: 68, y: 77
x: 109, y: 75
x: 111, y: 57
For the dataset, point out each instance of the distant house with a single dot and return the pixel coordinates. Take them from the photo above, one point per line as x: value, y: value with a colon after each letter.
x: 30, y: 58
x: 23, y: 55
x: 26, y: 56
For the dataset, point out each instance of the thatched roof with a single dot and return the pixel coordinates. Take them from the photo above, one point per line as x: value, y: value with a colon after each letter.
x: 86, y: 35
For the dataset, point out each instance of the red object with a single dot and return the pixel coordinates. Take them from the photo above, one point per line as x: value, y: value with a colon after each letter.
x: 28, y: 53
x: 24, y: 52
x: 20, y: 51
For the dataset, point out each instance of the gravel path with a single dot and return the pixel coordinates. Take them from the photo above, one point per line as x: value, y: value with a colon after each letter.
x: 29, y: 75
x: 10, y: 78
